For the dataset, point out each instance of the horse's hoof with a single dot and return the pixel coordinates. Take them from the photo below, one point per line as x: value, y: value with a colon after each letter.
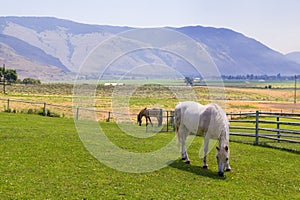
x: 228, y: 170
x: 221, y: 174
x: 205, y: 167
x: 188, y: 162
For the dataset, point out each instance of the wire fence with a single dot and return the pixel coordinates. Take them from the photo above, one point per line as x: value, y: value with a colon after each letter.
x: 162, y: 118
x: 267, y: 125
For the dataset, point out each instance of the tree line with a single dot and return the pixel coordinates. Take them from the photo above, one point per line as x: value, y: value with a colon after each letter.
x: 191, y: 80
x: 9, y: 76
x: 259, y: 77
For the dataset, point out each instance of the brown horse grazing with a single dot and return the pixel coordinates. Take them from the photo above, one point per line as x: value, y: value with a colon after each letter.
x: 144, y: 113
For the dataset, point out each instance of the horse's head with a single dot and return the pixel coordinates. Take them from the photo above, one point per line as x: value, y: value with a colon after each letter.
x: 223, y: 159
x: 142, y: 113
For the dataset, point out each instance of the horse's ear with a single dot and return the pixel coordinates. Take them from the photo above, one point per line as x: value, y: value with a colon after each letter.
x: 218, y: 148
x: 226, y: 148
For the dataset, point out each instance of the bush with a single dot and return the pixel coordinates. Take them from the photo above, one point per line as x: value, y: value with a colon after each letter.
x: 30, y: 111
x: 49, y: 113
x: 35, y: 112
x: 52, y: 114
x: 31, y: 81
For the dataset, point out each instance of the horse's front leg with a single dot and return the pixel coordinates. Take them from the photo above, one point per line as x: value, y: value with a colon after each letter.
x: 146, y: 120
x: 206, y: 142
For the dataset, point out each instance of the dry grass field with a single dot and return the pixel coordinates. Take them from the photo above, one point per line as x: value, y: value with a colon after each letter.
x: 250, y: 99
x: 236, y: 99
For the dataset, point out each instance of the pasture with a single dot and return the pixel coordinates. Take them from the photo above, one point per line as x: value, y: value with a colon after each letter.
x: 239, y: 97
x: 43, y: 158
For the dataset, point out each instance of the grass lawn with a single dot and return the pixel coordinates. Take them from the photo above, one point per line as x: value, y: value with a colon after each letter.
x: 43, y: 158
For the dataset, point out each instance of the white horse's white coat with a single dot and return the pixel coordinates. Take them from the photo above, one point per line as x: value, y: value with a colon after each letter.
x: 209, y: 120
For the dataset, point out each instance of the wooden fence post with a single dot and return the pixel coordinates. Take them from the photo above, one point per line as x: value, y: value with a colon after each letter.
x: 45, y: 109
x: 8, y: 106
x: 160, y: 119
x: 108, y: 117
x: 256, y: 126
x: 278, y: 128
x: 77, y: 114
x: 167, y: 121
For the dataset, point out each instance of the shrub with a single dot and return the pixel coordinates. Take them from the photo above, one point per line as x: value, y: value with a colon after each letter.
x: 31, y: 81
x: 49, y: 113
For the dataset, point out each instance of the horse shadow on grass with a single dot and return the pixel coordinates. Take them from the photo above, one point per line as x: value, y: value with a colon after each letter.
x: 198, y: 170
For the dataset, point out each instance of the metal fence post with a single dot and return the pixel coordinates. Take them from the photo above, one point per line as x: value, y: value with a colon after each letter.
x: 172, y: 120
x: 256, y: 126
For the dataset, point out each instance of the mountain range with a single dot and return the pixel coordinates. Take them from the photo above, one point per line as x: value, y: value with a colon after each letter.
x: 53, y: 49
x: 294, y: 56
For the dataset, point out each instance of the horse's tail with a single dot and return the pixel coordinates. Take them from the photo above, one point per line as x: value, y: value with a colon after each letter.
x: 177, y: 119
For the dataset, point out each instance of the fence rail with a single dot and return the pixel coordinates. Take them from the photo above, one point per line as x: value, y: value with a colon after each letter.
x: 260, y: 125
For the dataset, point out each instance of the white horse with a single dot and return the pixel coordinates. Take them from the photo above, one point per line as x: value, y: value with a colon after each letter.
x: 210, y: 120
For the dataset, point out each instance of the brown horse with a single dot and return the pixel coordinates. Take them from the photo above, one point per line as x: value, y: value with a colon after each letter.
x: 144, y: 113
x: 147, y: 113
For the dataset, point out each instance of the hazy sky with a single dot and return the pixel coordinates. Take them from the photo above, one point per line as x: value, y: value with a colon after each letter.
x: 276, y: 23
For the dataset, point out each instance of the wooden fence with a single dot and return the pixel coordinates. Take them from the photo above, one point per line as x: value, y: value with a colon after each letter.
x: 269, y: 125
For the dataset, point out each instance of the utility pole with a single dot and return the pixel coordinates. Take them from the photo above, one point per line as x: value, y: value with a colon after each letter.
x: 3, y: 76
x: 295, y: 91
x: 4, y: 84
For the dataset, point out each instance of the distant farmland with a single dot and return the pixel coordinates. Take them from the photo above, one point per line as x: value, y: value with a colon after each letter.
x: 238, y: 96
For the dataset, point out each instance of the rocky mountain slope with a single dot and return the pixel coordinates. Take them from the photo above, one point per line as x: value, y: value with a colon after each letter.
x: 294, y: 56
x: 50, y: 48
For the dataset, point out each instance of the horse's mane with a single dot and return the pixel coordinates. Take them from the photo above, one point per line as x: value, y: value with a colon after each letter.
x: 142, y: 111
x: 220, y: 121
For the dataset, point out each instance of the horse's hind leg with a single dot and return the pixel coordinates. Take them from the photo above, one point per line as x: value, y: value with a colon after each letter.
x: 184, y: 154
x: 146, y: 120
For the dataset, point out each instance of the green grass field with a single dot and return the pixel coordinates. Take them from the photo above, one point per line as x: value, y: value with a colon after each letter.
x: 43, y: 158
